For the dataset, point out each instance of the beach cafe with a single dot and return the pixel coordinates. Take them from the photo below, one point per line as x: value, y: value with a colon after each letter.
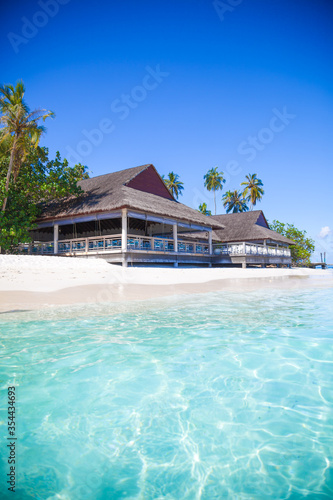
x: 129, y: 217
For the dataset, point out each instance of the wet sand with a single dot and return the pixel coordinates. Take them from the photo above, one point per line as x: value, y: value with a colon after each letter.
x: 23, y: 300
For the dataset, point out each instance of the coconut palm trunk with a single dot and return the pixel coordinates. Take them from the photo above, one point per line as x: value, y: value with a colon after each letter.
x: 9, y: 173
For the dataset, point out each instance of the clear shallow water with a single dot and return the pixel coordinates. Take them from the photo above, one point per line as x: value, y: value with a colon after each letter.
x: 215, y: 396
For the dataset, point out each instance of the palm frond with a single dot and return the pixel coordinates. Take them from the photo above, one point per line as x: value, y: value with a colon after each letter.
x: 20, y: 129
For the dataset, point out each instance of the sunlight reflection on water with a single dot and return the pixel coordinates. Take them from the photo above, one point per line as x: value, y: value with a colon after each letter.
x: 222, y: 395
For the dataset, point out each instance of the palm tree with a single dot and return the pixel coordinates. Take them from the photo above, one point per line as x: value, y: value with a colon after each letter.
x: 234, y: 201
x: 174, y: 185
x: 214, y: 181
x: 203, y: 209
x: 20, y: 129
x: 253, y: 189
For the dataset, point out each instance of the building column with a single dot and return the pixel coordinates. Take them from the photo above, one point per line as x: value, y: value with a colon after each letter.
x: 55, y: 238
x: 175, y: 238
x: 210, y: 242
x: 124, y: 235
x: 175, y: 241
x: 244, y: 265
x: 265, y: 254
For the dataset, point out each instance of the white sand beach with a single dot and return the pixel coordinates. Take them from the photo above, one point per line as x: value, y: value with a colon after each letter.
x: 29, y: 282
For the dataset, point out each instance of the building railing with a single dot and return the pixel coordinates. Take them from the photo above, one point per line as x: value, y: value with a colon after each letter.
x: 109, y: 244
x: 112, y: 243
x: 37, y: 248
x: 165, y: 245
x: 86, y: 245
x: 249, y: 249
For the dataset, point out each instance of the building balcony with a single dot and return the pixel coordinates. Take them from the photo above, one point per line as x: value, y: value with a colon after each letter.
x: 147, y: 249
x: 244, y: 249
x: 113, y: 244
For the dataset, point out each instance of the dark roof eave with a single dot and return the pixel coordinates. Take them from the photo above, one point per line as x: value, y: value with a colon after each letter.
x: 129, y: 207
x: 73, y: 216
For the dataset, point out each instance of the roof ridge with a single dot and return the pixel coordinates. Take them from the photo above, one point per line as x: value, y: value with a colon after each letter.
x: 249, y: 212
x: 122, y: 170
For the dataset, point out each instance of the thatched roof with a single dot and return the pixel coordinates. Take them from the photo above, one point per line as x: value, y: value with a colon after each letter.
x: 110, y: 192
x: 246, y: 226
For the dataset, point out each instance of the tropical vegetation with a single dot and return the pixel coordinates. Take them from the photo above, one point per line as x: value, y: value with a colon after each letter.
x: 253, y: 190
x: 233, y: 201
x: 39, y: 180
x: 20, y: 130
x: 304, y: 246
x: 27, y: 176
x: 214, y: 181
x: 174, y: 185
x: 203, y: 209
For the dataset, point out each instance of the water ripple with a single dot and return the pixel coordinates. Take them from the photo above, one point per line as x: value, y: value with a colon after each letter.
x: 222, y: 395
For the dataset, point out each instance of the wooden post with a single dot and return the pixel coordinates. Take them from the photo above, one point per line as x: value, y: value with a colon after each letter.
x: 175, y: 237
x: 55, y: 238
x: 124, y: 235
x: 210, y: 242
x: 175, y: 242
x: 124, y: 230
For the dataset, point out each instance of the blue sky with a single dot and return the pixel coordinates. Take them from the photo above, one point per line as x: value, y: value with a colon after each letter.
x: 245, y: 85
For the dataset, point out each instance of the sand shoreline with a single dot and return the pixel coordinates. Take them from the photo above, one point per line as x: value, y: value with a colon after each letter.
x: 38, y: 282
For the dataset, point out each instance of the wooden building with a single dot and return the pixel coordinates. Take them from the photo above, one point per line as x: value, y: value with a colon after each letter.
x: 130, y: 218
x: 126, y: 217
x: 247, y: 240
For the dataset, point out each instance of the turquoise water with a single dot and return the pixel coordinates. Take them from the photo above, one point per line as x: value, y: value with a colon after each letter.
x: 212, y: 396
